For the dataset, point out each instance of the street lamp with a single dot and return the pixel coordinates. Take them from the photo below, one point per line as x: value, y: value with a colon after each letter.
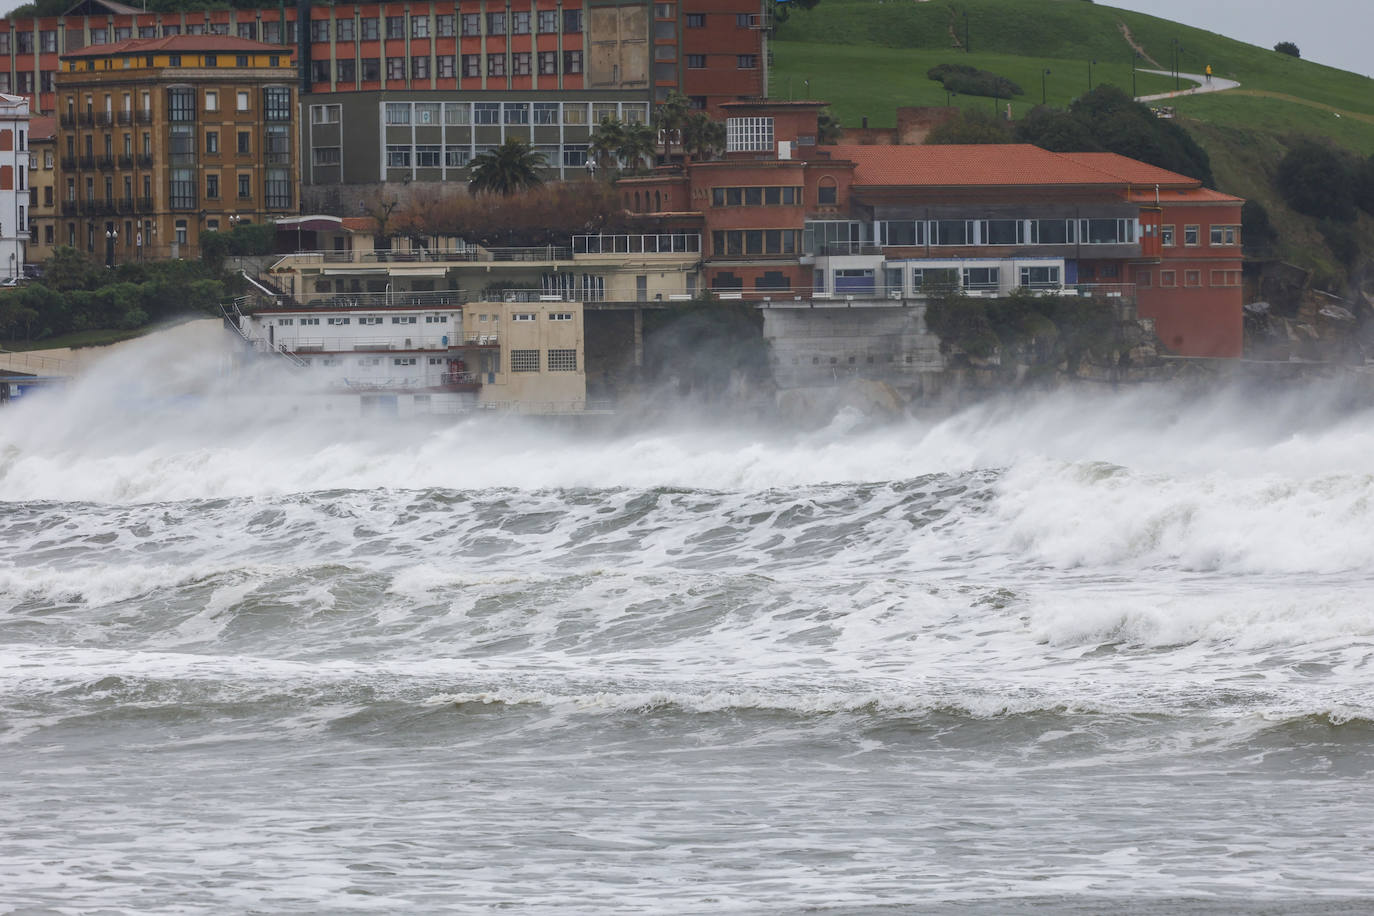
x: 1042, y: 86
x: 1178, y: 49
x: 1090, y: 73
x: 111, y: 233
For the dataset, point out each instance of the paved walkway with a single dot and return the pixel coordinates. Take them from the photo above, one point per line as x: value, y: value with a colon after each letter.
x: 1216, y: 85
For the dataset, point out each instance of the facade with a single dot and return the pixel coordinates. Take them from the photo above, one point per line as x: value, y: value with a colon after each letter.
x: 42, y: 188
x: 785, y: 219
x: 14, y: 191
x: 161, y: 140
x: 546, y: 70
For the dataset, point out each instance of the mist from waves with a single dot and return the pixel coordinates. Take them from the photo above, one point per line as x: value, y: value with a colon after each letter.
x: 257, y: 652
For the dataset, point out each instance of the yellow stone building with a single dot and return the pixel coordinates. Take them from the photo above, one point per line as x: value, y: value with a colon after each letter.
x: 160, y: 140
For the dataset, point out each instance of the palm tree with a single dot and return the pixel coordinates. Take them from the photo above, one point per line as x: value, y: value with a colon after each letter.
x: 509, y: 168
x: 638, y: 142
x: 606, y: 140
x: 702, y: 138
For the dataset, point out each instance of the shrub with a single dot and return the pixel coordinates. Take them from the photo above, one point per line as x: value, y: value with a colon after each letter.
x: 1287, y: 47
x: 1317, y: 180
x: 971, y: 127
x: 968, y: 80
x: 1256, y: 231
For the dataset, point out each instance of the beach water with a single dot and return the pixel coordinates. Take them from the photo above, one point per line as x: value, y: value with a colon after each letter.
x: 1067, y: 653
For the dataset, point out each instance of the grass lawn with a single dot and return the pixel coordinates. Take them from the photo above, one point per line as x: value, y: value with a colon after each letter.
x: 75, y: 340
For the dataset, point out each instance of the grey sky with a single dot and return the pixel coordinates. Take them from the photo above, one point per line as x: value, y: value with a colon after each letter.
x: 1332, y: 32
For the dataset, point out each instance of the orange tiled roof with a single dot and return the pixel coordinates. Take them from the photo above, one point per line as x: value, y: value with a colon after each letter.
x: 1182, y: 195
x: 227, y: 44
x: 987, y: 165
x: 359, y: 224
x: 1133, y: 171
x: 42, y: 127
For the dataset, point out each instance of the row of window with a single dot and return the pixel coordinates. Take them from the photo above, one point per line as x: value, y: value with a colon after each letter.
x: 863, y: 280
x: 756, y: 196
x: 370, y: 69
x: 128, y: 62
x: 1218, y: 235
x: 182, y: 143
x: 557, y: 360
x: 367, y: 28
x: 534, y: 316
x: 463, y: 114
x: 182, y: 190
x: 755, y: 241
x: 1192, y: 279
x: 452, y: 156
x: 742, y: 61
x: 181, y: 103
x: 1004, y: 232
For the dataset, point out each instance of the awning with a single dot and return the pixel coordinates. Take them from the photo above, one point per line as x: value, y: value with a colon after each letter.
x: 319, y: 223
x: 353, y: 271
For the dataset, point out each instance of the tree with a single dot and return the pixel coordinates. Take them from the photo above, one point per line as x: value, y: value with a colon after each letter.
x: 1256, y: 231
x: 973, y: 127
x: 828, y: 129
x: 1287, y: 47
x: 702, y: 138
x: 638, y: 143
x: 68, y: 269
x: 1056, y: 130
x: 1317, y: 180
x: 509, y: 168
x: 605, y: 140
x: 1121, y: 125
x: 670, y: 116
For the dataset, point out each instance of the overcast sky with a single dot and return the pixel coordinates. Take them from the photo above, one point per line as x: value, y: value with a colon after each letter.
x: 1332, y: 32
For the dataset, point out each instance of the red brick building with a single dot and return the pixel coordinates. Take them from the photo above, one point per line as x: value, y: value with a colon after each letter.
x: 781, y: 216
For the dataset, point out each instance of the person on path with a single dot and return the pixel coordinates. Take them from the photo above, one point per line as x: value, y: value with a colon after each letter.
x: 1209, y: 74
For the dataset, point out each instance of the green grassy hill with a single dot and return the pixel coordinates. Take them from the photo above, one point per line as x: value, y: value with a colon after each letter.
x: 867, y: 57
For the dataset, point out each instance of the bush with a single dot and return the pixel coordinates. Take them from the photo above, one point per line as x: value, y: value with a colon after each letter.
x: 968, y: 80
x: 1257, y: 233
x: 1287, y: 47
x: 1317, y: 180
x: 971, y: 127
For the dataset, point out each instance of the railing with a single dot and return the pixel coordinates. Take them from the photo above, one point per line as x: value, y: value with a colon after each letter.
x: 126, y: 161
x: 13, y: 360
x: 144, y: 161
x: 68, y: 163
x: 67, y: 120
x: 85, y: 119
x: 144, y: 205
x: 426, y: 255
x: 830, y: 249
x: 69, y: 208
x: 104, y: 163
x: 143, y: 116
x: 125, y: 205
x: 87, y: 162
x: 126, y: 118
x: 391, y: 300
x: 341, y: 344
x: 680, y: 243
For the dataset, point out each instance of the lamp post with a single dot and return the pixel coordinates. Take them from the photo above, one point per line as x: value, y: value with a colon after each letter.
x: 1042, y: 86
x: 967, y: 47
x: 1135, y: 61
x: 111, y: 234
x: 1091, y: 63
x: 1178, y: 48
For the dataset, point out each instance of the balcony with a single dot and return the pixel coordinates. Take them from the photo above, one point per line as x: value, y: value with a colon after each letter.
x: 144, y: 161
x: 68, y: 163
x: 87, y: 162
x: 85, y: 119
x: 70, y: 208
x: 104, y: 163
x: 104, y: 119
x: 68, y: 121
x: 679, y: 243
x: 144, y: 205
x: 126, y: 118
x: 125, y: 205
x: 143, y: 116
x: 126, y: 161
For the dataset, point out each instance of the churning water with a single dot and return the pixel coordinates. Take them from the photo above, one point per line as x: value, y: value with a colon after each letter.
x: 1067, y: 654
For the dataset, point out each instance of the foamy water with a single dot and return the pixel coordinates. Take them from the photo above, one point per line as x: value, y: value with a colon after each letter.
x: 1068, y: 653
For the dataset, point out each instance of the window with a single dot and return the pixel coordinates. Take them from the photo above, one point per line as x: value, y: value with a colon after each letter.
x: 371, y: 70
x: 472, y: 65
x: 343, y: 29
x: 520, y: 23
x: 904, y: 232
x: 472, y: 24
x: 696, y: 20
x: 486, y: 112
x: 419, y: 67
x: 319, y: 30
x: 245, y: 144
x: 245, y: 189
x: 370, y: 29
x: 548, y: 63
x: 443, y: 25
x: 1167, y: 278
x: 981, y: 278
x: 398, y: 157
x: 339, y: 321
x: 1144, y: 278
x: 326, y: 155
x: 746, y: 61
x: 548, y: 21
x: 520, y: 63
x: 516, y: 112
x: 457, y: 157
x: 1192, y: 278
x: 427, y: 157
x: 181, y: 104
x: 446, y: 70
x: 1225, y: 278
x: 696, y: 61
x: 826, y: 193
x: 180, y: 229
x: 276, y: 103
x: 572, y: 21
x: 347, y: 70
x: 746, y: 134
x: 496, y: 23
x: 524, y: 316
x: 403, y: 319
x: 1166, y: 236
x: 546, y: 112
x: 277, y: 190
x: 524, y: 360
x: 1225, y: 235
x: 1040, y: 277
x: 1002, y: 231
x: 212, y: 187
x: 951, y: 232
x: 419, y: 26
x: 211, y: 100
x: 562, y: 360
x: 457, y: 113
x: 1106, y: 231
x: 241, y: 101
x: 324, y: 114
x: 574, y: 155
x: 1190, y: 235
x: 572, y: 61
x: 560, y: 316
x: 496, y: 65
x: 395, y: 68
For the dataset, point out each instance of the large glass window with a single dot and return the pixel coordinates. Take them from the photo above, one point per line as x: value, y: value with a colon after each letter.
x: 398, y: 112
x: 181, y: 104
x: 1002, y: 232
x: 981, y: 278
x: 1039, y: 277
x: 952, y: 232
x: 183, y: 189
x: 278, y: 189
x: 905, y: 232
x: 276, y: 103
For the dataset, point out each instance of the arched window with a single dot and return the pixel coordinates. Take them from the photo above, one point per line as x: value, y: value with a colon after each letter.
x: 826, y: 192
x: 636, y: 201
x: 658, y: 203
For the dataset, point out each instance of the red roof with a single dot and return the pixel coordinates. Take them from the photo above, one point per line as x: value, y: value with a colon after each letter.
x: 997, y: 165
x: 226, y: 44
x: 42, y: 127
x: 1183, y: 195
x: 1132, y: 171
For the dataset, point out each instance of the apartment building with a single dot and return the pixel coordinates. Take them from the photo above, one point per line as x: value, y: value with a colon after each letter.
x: 162, y: 139
x: 785, y: 219
x: 519, y: 69
x: 43, y: 194
x: 14, y: 191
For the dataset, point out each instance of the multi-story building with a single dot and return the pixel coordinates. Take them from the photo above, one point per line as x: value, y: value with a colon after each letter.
x: 42, y: 188
x: 785, y: 219
x: 162, y: 139
x: 545, y: 70
x: 14, y: 190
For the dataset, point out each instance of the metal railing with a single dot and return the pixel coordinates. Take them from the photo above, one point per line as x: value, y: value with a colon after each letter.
x: 346, y: 344
x: 670, y: 243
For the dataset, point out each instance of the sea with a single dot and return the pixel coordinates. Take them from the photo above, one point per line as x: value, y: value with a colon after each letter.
x: 1090, y: 651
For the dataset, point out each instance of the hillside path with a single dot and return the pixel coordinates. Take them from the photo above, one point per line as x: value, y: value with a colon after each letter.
x: 1216, y: 85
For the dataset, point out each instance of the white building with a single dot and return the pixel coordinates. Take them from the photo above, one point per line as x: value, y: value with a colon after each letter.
x: 14, y: 185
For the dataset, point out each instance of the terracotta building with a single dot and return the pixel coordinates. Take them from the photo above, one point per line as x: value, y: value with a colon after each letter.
x: 783, y: 217
x: 162, y: 139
